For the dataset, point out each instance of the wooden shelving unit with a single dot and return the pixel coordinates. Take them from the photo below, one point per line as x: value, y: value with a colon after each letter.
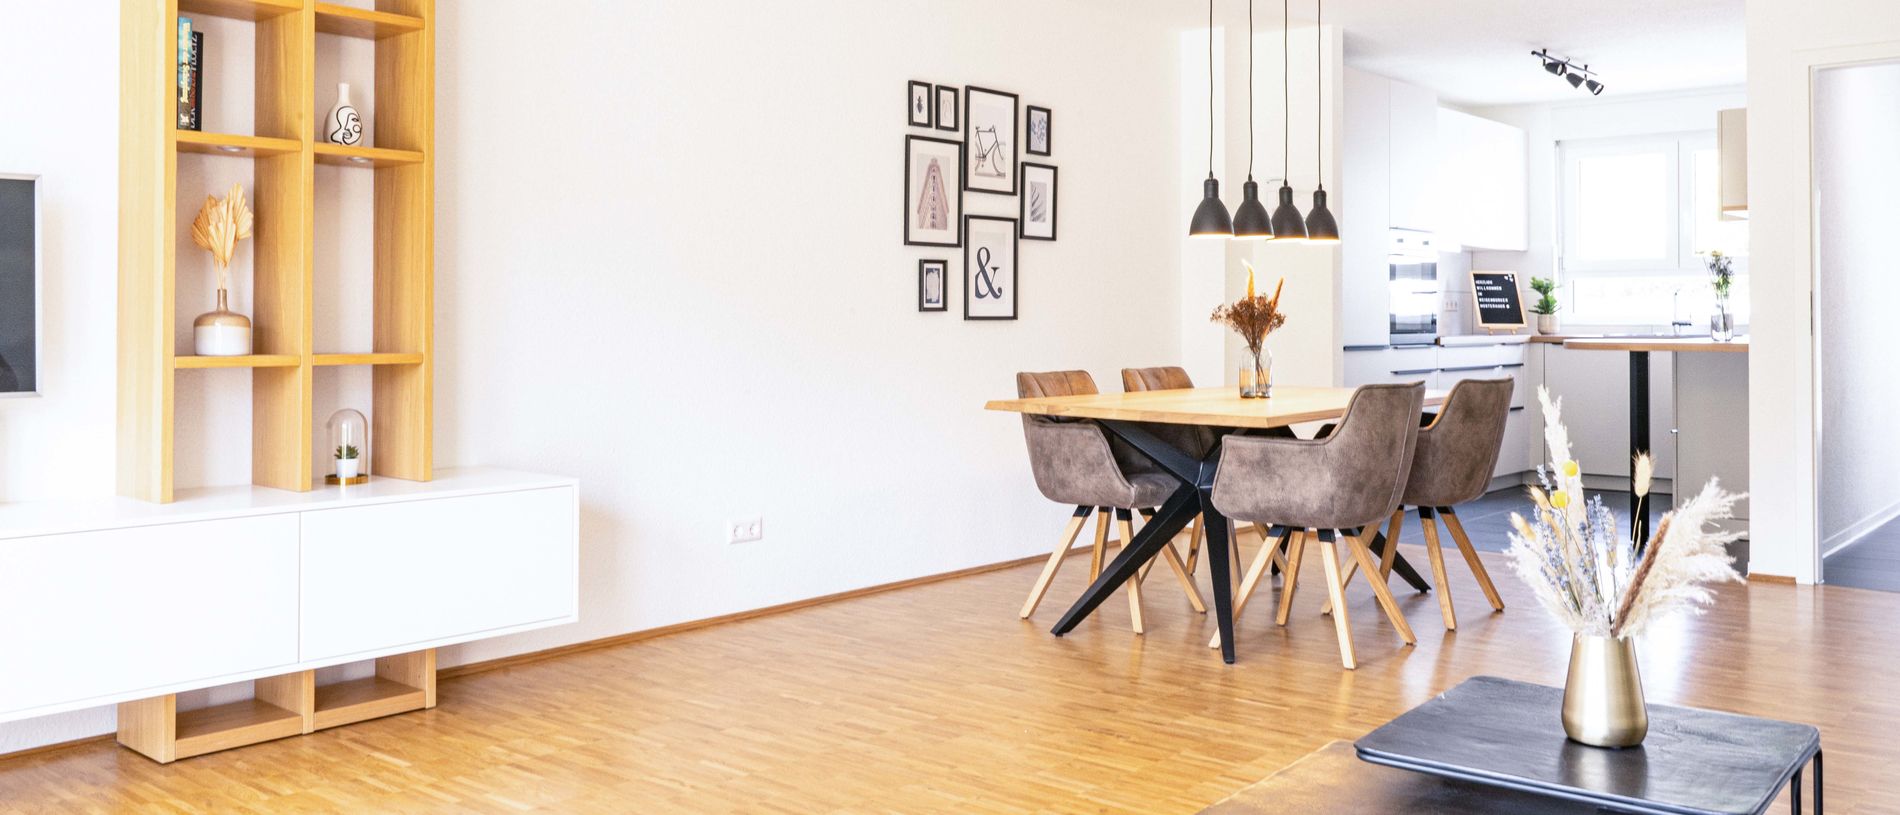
x: 284, y: 151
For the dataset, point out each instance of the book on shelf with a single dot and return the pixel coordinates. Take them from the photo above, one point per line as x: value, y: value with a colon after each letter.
x: 184, y: 73
x: 197, y: 80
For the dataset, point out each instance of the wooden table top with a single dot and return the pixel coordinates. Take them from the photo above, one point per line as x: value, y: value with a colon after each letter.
x: 1739, y: 345
x: 1217, y: 407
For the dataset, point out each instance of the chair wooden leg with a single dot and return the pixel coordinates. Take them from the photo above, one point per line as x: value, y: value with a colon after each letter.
x: 1101, y: 543
x: 1363, y: 555
x: 1069, y: 534
x: 1437, y: 555
x: 1471, y: 557
x: 1391, y: 553
x: 1125, y: 525
x: 1352, y: 567
x: 1330, y: 559
x: 1295, y: 548
x: 1269, y: 553
x: 1182, y: 577
x: 1194, y: 544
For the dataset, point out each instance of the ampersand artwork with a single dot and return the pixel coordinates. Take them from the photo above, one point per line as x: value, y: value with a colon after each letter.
x: 985, y: 283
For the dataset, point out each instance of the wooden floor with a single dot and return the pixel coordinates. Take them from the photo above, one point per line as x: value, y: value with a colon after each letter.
x: 937, y: 699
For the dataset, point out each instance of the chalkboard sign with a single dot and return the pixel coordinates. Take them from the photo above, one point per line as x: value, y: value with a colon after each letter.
x: 19, y: 285
x: 1499, y: 304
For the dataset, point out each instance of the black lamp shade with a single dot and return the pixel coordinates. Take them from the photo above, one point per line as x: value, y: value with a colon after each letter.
x: 1554, y: 67
x: 1320, y: 226
x: 1210, y: 218
x: 1287, y: 223
x: 1250, y: 220
x: 1574, y: 79
x: 1594, y: 87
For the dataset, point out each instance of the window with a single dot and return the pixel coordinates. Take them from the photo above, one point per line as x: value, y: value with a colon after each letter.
x: 1637, y: 215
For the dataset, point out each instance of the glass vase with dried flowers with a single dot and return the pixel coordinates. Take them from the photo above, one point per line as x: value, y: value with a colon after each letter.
x: 1721, y: 281
x: 1253, y: 317
x: 218, y: 228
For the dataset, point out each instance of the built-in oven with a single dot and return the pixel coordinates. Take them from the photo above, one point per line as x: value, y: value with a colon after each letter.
x: 1412, y: 265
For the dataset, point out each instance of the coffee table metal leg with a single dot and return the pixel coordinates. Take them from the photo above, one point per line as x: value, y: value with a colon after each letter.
x: 1794, y: 792
x: 1817, y: 781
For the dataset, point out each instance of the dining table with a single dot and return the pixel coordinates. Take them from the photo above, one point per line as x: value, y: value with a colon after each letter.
x: 1131, y: 417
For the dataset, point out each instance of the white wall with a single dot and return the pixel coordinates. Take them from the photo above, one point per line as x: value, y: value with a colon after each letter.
x: 1856, y: 113
x: 1786, y: 40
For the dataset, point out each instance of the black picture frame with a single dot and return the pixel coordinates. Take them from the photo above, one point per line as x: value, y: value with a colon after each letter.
x: 919, y: 108
x: 954, y: 121
x: 1024, y: 203
x: 950, y: 189
x: 1029, y: 130
x: 942, y: 268
x: 984, y: 140
x: 974, y: 250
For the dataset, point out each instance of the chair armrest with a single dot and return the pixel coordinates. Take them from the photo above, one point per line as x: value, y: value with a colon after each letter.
x: 1273, y: 479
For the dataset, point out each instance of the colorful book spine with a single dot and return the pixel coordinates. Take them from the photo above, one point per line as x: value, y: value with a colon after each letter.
x: 184, y: 73
x: 197, y: 80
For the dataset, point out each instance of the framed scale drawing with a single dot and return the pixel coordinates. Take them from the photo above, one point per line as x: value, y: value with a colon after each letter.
x: 989, y: 133
x: 19, y: 285
x: 933, y: 205
x: 932, y: 279
x: 921, y: 103
x: 1037, y: 134
x: 947, y: 118
x: 1038, y: 202
x: 990, y: 270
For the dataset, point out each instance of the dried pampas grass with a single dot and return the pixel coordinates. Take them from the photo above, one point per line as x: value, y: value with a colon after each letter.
x: 219, y: 226
x: 1683, y: 558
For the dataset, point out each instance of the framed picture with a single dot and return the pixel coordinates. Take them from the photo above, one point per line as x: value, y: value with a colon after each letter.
x: 933, y: 207
x: 989, y: 134
x: 947, y: 118
x: 932, y: 276
x: 990, y: 270
x: 1038, y: 202
x: 920, y: 104
x: 1036, y: 132
x: 19, y: 285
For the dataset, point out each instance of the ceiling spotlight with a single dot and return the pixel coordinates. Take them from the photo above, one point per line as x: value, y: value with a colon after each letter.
x: 1551, y: 64
x: 1594, y: 87
x: 1574, y: 79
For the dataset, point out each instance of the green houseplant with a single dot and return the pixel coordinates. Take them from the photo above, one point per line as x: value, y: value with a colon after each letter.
x: 1546, y: 306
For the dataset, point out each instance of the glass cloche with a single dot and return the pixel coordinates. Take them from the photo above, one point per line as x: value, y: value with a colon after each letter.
x: 349, y: 448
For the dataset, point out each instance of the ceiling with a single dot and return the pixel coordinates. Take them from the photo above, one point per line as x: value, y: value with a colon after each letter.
x: 1477, y: 52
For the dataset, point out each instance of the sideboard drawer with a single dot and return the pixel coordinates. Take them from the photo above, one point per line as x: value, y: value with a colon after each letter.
x: 393, y: 577
x: 92, y: 617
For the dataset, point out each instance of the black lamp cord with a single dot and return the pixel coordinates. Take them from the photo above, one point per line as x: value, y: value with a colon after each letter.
x: 1249, y: 90
x: 1286, y: 88
x: 1319, y: 84
x: 1210, y: 88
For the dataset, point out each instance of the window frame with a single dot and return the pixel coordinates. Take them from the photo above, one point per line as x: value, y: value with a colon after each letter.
x: 1679, y: 151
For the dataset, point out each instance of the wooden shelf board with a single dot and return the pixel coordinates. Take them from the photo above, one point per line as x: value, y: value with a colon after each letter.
x: 356, y: 22
x: 230, y: 144
x: 357, y: 156
x: 323, y: 360
x: 222, y: 727
x: 361, y: 699
x: 183, y: 362
x: 239, y: 9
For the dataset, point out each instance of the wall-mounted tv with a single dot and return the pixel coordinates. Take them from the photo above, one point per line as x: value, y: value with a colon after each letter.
x: 19, y: 285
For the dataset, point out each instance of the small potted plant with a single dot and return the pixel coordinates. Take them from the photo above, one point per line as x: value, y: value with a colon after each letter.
x: 347, y: 459
x: 1546, y: 306
x: 349, y: 448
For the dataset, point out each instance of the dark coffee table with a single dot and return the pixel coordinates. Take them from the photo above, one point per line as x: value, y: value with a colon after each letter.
x: 1508, y: 734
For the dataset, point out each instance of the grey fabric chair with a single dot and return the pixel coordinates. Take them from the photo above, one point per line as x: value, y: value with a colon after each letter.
x: 1351, y: 479
x: 1076, y: 462
x: 1456, y: 454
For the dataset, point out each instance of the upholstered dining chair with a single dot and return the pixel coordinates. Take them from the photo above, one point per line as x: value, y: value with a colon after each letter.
x: 1077, y: 462
x: 1456, y: 454
x: 1351, y: 479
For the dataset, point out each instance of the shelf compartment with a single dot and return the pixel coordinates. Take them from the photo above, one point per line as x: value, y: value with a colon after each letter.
x: 341, y: 155
x: 371, y: 697
x: 240, y: 9
x: 363, y: 23
x: 185, y: 361
x: 208, y: 730
x: 230, y: 144
x: 326, y: 360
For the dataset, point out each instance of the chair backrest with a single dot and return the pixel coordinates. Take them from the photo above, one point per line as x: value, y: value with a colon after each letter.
x: 1166, y: 378
x: 1371, y: 452
x: 1034, y: 385
x: 1458, y: 451
x: 1074, y: 460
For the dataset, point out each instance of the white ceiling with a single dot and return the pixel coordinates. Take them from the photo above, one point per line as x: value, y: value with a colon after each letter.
x: 1477, y: 52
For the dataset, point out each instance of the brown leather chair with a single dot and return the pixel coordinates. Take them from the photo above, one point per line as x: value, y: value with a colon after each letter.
x: 1456, y: 455
x: 1351, y: 479
x: 1077, y: 462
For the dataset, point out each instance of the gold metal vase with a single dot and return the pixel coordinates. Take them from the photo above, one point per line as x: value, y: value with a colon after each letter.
x: 1603, y: 695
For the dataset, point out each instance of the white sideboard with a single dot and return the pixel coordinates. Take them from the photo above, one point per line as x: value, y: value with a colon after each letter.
x: 114, y: 600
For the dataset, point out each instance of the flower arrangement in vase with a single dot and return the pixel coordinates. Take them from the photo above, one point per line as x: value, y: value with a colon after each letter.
x: 217, y: 229
x: 1608, y: 588
x: 1722, y: 281
x: 1253, y: 317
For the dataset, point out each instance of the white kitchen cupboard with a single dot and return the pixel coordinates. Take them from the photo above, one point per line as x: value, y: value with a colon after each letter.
x: 117, y: 600
x: 1711, y: 393
x: 1481, y: 198
x: 1365, y: 203
x: 1413, y: 130
x: 1442, y: 367
x: 1731, y: 140
x: 1595, y: 389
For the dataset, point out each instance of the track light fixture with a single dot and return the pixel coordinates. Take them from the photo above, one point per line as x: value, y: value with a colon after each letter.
x: 1578, y: 77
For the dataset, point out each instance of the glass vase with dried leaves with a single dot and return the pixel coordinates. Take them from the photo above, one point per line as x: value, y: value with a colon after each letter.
x: 1253, y: 317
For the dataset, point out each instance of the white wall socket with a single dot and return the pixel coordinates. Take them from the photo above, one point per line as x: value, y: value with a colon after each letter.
x: 745, y: 530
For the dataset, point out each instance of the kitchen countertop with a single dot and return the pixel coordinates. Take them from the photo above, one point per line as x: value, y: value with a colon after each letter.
x: 1739, y: 345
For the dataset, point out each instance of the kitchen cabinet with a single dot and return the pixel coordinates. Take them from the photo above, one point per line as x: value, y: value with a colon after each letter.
x: 1731, y: 141
x: 1711, y: 396
x: 1595, y: 389
x: 1366, y: 209
x: 1442, y: 367
x: 1480, y: 196
x: 1413, y: 130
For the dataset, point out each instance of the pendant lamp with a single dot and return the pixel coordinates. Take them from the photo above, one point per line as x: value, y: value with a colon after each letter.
x: 1320, y: 226
x: 1250, y: 220
x: 1210, y: 218
x: 1287, y: 223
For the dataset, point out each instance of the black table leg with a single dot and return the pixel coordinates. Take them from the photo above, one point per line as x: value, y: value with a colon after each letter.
x: 1399, y: 565
x: 1639, y: 442
x: 1169, y: 520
